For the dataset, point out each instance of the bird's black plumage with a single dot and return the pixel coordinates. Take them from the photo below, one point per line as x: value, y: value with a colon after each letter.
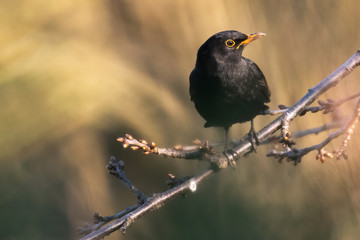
x: 225, y: 87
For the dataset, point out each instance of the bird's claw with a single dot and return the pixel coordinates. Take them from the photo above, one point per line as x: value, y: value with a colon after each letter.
x: 230, y: 156
x: 253, y: 139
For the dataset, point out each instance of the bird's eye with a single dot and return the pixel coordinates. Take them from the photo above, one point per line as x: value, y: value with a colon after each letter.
x: 230, y: 43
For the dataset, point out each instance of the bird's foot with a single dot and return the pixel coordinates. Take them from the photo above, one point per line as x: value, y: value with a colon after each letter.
x: 230, y: 156
x: 253, y: 139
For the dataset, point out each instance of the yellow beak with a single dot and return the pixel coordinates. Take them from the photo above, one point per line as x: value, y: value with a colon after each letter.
x: 251, y: 37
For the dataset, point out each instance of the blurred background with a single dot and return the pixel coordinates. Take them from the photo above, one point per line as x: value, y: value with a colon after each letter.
x: 75, y: 75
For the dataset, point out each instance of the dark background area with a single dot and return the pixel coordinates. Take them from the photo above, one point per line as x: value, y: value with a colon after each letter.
x: 74, y: 76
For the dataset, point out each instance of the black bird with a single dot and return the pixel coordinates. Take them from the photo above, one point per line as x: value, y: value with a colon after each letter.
x: 226, y: 87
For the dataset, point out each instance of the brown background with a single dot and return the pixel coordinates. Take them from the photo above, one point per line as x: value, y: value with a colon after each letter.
x: 75, y: 75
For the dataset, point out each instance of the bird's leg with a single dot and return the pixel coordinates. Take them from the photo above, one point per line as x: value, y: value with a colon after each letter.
x: 253, y: 137
x: 226, y: 137
x: 229, y: 153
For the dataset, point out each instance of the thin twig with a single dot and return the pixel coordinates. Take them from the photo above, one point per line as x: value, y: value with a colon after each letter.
x: 151, y: 204
x: 101, y: 221
x: 282, y: 122
x: 312, y: 94
x: 116, y: 168
x: 349, y: 131
x: 328, y: 106
x: 297, y: 154
x: 303, y: 133
x: 188, y: 152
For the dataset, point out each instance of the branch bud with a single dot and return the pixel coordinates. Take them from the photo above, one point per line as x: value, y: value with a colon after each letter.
x: 281, y: 107
x: 143, y: 141
x: 128, y: 136
x: 152, y: 145
x: 178, y: 147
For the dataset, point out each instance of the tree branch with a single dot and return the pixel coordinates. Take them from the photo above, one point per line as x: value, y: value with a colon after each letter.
x: 283, y: 122
x: 116, y: 168
x: 303, y: 133
x: 178, y: 151
x: 148, y: 204
x: 296, y: 154
x: 328, y: 106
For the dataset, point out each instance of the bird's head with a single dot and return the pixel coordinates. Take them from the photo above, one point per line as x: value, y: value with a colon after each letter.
x: 227, y: 45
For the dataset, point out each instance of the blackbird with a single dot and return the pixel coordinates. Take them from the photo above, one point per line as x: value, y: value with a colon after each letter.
x: 225, y: 87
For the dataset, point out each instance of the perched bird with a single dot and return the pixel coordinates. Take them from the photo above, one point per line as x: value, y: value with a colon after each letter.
x: 225, y: 87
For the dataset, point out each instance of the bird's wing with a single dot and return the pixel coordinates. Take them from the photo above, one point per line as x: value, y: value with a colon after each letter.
x: 265, y: 89
x: 260, y: 82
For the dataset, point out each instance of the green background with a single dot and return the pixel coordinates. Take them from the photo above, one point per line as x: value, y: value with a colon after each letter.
x: 75, y: 75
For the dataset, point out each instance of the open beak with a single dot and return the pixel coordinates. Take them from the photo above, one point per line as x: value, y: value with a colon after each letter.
x: 251, y: 37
